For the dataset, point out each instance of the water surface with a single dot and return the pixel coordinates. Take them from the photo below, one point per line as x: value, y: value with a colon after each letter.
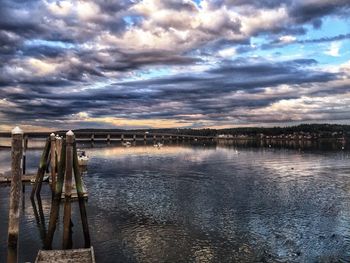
x: 203, y: 203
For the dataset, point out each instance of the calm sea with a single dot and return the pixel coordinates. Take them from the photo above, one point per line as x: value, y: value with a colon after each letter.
x: 202, y: 202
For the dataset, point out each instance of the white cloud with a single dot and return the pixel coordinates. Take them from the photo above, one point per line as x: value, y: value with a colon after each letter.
x: 334, y: 49
x: 287, y: 39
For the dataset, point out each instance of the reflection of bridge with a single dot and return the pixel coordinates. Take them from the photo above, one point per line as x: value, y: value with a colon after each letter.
x: 95, y: 136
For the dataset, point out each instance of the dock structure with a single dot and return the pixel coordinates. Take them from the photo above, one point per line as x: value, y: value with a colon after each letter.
x: 83, y: 255
x: 121, y: 136
x: 61, y: 156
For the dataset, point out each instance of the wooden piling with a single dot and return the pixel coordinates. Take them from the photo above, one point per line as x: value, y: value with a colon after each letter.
x: 154, y: 137
x: 53, y: 161
x: 41, y: 170
x: 134, y: 137
x: 81, y: 198
x: 24, y: 161
x: 25, y: 146
x: 55, y: 207
x: 68, y: 190
x: 15, y: 194
x: 92, y: 137
x: 122, y: 137
x: 145, y: 137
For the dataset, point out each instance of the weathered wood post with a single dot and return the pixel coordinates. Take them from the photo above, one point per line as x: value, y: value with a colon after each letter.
x: 55, y: 207
x: 53, y: 161
x: 25, y: 146
x: 80, y: 192
x: 163, y: 138
x: 170, y: 138
x: 58, y: 149
x: 154, y: 137
x: 122, y: 137
x: 15, y: 194
x: 134, y: 137
x: 108, y: 138
x: 92, y: 137
x: 68, y: 190
x: 41, y: 170
x: 145, y: 137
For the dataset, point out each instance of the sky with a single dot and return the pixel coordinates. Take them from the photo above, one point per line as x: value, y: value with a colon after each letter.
x: 173, y: 63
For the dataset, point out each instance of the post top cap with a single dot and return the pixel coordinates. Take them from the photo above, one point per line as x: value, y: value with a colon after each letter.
x: 17, y: 130
x: 70, y: 133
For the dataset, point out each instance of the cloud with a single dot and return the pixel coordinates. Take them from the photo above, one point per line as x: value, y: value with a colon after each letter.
x: 177, y: 62
x: 334, y: 49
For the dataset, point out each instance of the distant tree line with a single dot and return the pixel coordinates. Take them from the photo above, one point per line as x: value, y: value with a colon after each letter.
x: 322, y: 130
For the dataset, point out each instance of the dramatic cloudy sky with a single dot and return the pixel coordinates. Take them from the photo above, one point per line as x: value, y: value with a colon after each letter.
x: 173, y: 63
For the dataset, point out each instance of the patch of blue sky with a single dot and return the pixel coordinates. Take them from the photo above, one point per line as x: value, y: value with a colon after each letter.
x: 132, y: 20
x: 325, y: 56
x: 153, y: 73
x: 48, y: 43
x: 197, y: 2
x: 331, y: 27
x: 278, y: 53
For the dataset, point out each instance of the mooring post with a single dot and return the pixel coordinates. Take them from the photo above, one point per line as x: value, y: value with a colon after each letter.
x: 53, y: 161
x: 58, y: 149
x: 41, y: 170
x: 55, y: 207
x: 68, y: 190
x: 80, y: 192
x: 15, y: 193
x: 25, y: 146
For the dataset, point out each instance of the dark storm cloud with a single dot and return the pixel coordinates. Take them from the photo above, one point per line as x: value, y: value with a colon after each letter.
x: 50, y: 60
x: 208, y: 94
x: 305, y: 11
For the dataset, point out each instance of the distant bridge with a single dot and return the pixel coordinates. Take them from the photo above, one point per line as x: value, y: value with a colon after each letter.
x: 95, y: 136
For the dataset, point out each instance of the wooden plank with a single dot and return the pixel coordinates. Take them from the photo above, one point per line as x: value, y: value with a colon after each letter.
x: 25, y: 178
x: 84, y: 255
